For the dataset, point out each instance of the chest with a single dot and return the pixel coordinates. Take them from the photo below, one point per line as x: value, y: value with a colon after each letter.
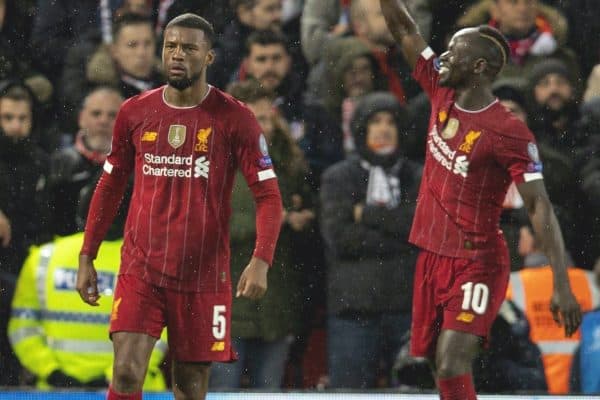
x: 460, y: 143
x: 180, y: 136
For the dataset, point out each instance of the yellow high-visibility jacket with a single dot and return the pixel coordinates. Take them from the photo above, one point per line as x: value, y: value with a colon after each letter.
x: 51, y: 328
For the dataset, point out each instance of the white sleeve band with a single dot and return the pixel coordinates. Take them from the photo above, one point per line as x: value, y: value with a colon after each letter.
x: 266, y: 174
x: 533, y: 176
x: 427, y: 53
x: 108, y: 167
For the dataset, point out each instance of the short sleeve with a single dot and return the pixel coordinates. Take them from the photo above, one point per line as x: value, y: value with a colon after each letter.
x: 120, y: 160
x: 519, y: 155
x: 426, y: 72
x: 251, y: 149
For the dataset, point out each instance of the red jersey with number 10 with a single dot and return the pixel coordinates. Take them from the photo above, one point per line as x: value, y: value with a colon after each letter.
x: 471, y: 158
x: 184, y: 160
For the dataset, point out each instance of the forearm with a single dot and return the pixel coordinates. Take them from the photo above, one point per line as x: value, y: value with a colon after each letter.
x: 268, y: 218
x: 549, y: 235
x: 103, y: 209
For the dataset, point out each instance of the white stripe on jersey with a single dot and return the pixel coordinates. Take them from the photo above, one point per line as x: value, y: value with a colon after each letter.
x: 533, y: 176
x: 266, y: 174
x: 108, y: 167
x: 427, y: 53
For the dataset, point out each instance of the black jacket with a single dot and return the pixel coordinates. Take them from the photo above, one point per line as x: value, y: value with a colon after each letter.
x: 70, y: 171
x: 370, y: 263
x: 23, y: 199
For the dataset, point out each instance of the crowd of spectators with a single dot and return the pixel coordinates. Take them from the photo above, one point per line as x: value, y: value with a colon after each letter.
x: 346, y: 126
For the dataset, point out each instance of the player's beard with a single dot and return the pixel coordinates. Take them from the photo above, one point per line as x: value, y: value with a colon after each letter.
x: 184, y: 83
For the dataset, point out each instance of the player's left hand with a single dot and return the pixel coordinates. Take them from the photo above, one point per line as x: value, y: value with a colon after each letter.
x: 566, y: 311
x: 253, y: 282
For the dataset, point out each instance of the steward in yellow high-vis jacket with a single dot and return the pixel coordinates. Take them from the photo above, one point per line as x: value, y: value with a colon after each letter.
x: 61, y: 340
x: 56, y: 336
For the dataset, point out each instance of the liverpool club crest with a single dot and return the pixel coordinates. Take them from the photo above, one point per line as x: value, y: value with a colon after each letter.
x: 176, y: 135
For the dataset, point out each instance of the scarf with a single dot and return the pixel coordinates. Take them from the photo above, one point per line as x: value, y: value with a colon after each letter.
x: 540, y: 41
x: 81, y: 146
x: 383, y: 187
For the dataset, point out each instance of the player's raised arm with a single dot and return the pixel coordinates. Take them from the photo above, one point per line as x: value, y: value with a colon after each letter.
x: 404, y: 29
x: 565, y: 309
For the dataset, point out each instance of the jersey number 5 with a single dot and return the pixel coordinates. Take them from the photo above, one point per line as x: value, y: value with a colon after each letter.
x: 475, y: 297
x: 219, y: 322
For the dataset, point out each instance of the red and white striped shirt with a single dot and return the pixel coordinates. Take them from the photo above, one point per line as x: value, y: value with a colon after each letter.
x: 184, y: 161
x: 471, y: 159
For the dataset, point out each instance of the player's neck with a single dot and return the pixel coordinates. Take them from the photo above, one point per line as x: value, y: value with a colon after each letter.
x: 474, y: 98
x: 188, y: 97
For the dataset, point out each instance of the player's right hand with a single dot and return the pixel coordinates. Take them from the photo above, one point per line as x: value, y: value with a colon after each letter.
x: 87, y: 281
x: 566, y: 311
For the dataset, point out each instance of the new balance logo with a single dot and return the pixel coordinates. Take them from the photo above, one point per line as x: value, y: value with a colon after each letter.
x: 201, y: 167
x: 461, y: 166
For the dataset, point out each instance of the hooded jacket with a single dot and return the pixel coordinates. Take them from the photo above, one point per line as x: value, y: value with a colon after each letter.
x: 370, y: 262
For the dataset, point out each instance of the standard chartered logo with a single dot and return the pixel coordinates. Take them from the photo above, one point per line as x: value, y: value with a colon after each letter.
x: 175, y: 166
x: 201, y: 167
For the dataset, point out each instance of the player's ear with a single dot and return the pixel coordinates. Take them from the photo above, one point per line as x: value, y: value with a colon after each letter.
x: 480, y: 66
x: 210, y: 57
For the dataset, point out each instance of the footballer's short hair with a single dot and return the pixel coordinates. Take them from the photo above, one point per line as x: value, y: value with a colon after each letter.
x: 193, y: 21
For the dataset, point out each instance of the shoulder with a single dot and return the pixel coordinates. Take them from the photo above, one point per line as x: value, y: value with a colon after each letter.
x: 504, y: 123
x: 143, y: 100
x: 228, y: 108
x: 342, y: 168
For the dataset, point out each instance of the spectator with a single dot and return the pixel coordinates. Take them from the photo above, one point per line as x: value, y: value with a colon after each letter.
x: 534, y: 32
x: 61, y: 24
x: 369, y: 26
x: 60, y: 340
x: 586, y: 362
x: 23, y: 202
x: 129, y: 63
x: 511, y: 362
x: 554, y: 115
x: 367, y: 202
x: 250, y: 15
x: 589, y: 125
x: 263, y: 330
x: 76, y: 166
x: 510, y: 92
x: 351, y: 72
x: 269, y: 61
x: 323, y: 20
x: 530, y: 289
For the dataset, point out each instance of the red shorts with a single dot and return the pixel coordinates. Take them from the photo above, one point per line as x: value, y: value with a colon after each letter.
x: 454, y: 293
x: 198, y: 324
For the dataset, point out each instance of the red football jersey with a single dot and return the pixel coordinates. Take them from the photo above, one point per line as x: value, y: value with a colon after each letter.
x: 184, y: 161
x: 471, y: 158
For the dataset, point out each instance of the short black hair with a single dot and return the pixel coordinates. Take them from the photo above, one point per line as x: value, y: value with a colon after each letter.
x: 129, y: 19
x: 18, y: 92
x: 194, y: 21
x: 266, y: 37
x: 496, y: 51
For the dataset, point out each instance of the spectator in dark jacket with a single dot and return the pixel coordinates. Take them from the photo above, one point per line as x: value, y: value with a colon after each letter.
x: 368, y: 202
x: 76, y: 166
x: 23, y: 203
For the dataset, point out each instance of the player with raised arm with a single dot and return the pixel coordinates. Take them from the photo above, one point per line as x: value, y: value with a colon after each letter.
x: 184, y: 142
x: 474, y: 149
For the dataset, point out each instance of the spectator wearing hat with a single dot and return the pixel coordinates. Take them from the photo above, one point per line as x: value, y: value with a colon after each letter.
x: 368, y: 201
